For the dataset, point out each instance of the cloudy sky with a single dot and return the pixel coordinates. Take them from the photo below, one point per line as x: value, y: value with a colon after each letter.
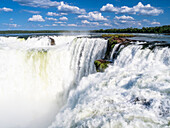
x: 82, y: 14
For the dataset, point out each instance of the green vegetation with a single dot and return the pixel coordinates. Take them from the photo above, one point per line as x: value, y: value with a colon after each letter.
x: 113, y: 45
x: 101, y: 65
x: 112, y: 42
x: 114, y: 39
x: 161, y: 29
x: 116, y: 35
x: 38, y: 31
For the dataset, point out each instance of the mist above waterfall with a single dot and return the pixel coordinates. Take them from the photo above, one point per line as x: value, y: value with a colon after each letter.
x: 35, y: 77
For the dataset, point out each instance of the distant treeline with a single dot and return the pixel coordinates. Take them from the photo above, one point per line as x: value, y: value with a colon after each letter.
x: 161, y: 29
x: 36, y: 31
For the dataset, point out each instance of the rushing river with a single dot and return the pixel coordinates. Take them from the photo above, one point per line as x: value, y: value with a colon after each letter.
x: 45, y: 86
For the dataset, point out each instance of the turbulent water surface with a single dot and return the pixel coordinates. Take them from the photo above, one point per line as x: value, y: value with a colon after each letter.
x: 58, y: 87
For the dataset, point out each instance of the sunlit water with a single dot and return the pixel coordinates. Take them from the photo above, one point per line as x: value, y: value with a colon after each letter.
x: 58, y: 87
x: 35, y: 77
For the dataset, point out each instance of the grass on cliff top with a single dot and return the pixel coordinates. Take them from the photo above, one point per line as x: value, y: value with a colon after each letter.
x: 117, y: 35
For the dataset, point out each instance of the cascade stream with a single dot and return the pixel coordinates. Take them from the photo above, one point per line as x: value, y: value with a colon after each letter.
x: 57, y: 86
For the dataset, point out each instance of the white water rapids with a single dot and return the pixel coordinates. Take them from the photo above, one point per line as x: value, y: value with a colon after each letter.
x: 35, y: 77
x: 132, y: 93
x: 44, y: 86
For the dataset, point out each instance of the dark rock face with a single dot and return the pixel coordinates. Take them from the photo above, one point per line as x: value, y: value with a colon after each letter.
x: 101, y: 65
x: 52, y: 41
x: 144, y: 102
x: 112, y: 42
x: 119, y: 40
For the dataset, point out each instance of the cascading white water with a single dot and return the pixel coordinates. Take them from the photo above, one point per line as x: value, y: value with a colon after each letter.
x: 114, y: 50
x: 35, y: 77
x: 132, y: 92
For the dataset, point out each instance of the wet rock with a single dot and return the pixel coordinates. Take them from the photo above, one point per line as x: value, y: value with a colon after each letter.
x: 115, y: 40
x: 123, y: 39
x: 25, y: 37
x: 112, y: 42
x: 146, y: 103
x: 101, y: 65
x: 52, y: 41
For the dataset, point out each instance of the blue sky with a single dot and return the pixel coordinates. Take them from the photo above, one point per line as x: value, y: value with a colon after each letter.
x: 82, y: 14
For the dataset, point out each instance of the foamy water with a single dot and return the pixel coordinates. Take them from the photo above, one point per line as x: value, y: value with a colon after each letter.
x: 35, y: 77
x: 58, y: 87
x: 132, y: 92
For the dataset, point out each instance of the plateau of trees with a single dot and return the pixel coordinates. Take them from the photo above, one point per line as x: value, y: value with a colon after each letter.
x: 36, y: 31
x: 161, y: 29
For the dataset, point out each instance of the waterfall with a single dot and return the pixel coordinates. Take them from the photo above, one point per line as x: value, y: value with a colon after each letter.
x: 84, y: 53
x: 114, y: 50
x: 36, y: 77
x: 56, y: 86
x: 132, y: 92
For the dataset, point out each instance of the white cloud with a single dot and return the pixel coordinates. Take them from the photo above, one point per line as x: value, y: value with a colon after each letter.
x: 59, y: 22
x: 40, y: 25
x: 139, y: 24
x: 63, y: 18
x: 138, y: 9
x: 85, y: 22
x: 52, y: 14
x: 107, y: 25
x: 124, y: 17
x: 62, y: 25
x: 54, y: 25
x: 30, y: 11
x: 155, y: 23
x: 50, y: 18
x: 109, y: 8
x: 70, y: 9
x: 126, y: 23
x: 38, y: 3
x: 93, y: 16
x: 72, y: 25
x: 123, y: 21
x: 12, y: 25
x: 145, y: 20
x: 36, y: 18
x: 47, y: 25
x: 61, y: 6
x: 55, y: 14
x: 94, y: 24
x: 147, y: 9
x: 62, y: 14
x: 6, y: 9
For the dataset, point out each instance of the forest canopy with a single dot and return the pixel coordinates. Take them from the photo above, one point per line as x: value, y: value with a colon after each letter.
x: 161, y: 29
